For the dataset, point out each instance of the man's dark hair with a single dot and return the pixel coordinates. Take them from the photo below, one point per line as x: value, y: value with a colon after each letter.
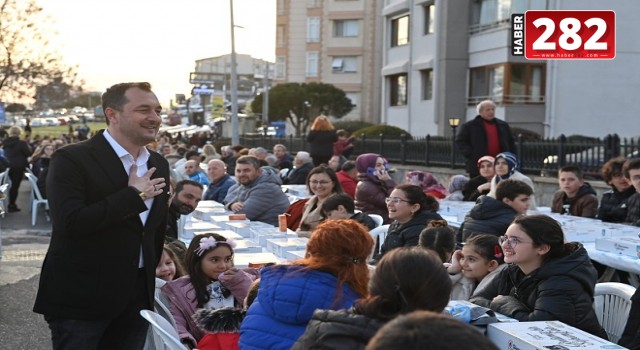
x: 190, y: 154
x: 336, y: 200
x: 511, y: 188
x: 348, y: 166
x: 180, y: 185
x: 249, y: 160
x: 571, y: 168
x: 114, y: 97
x: 633, y: 163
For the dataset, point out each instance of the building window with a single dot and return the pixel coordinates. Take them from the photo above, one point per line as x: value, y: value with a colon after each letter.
x: 281, y: 7
x: 508, y: 83
x: 280, y: 36
x: 312, y: 64
x: 400, y: 31
x: 344, y: 64
x: 346, y: 28
x: 427, y: 84
x: 313, y: 29
x: 280, y: 68
x: 487, y: 14
x: 398, y: 89
x: 429, y: 18
x: 313, y: 3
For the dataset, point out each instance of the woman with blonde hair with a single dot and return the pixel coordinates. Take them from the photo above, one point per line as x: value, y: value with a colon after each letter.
x: 333, y: 275
x: 209, y: 153
x: 321, y: 138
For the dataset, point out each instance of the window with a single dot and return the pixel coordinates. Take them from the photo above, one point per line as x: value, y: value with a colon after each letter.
x: 344, y: 64
x: 313, y: 3
x: 487, y: 14
x: 429, y: 18
x: 346, y: 28
x: 281, y: 7
x: 280, y: 36
x: 398, y: 89
x: 313, y: 29
x: 280, y: 67
x: 427, y: 84
x: 312, y: 64
x: 508, y: 83
x: 400, y: 31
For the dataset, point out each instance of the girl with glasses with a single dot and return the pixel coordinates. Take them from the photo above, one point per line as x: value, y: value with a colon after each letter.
x: 547, y: 279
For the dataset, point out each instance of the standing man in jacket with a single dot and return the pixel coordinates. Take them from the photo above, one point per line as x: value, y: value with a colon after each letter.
x: 485, y: 135
x: 108, y: 200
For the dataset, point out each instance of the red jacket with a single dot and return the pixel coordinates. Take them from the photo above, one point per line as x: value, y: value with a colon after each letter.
x: 295, y: 211
x: 348, y: 184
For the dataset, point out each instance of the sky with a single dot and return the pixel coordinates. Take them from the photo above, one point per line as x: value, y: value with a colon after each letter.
x: 158, y: 41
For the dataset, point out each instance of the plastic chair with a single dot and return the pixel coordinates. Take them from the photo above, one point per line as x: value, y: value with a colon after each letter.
x: 164, y: 329
x: 35, y: 197
x: 612, y: 303
x: 380, y: 233
x: 377, y: 218
x: 5, y: 180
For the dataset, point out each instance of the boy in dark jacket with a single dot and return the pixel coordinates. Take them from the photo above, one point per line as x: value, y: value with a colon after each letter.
x: 575, y: 197
x: 631, y: 170
x: 493, y: 216
x: 341, y: 206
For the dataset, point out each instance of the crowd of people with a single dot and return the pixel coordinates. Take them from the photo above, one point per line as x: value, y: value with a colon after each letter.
x: 122, y: 193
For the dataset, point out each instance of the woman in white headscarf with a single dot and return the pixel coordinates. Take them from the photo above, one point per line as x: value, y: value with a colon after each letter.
x: 506, y: 167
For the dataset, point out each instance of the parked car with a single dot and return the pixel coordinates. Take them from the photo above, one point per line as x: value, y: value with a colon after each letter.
x: 50, y: 121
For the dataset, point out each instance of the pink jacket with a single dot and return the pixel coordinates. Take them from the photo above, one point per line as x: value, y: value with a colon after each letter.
x: 183, y: 303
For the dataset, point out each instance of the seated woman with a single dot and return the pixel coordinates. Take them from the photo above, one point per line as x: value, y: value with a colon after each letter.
x: 506, y: 167
x: 405, y: 280
x: 481, y: 184
x: 374, y: 185
x: 547, y: 279
x: 613, y: 205
x: 306, y: 214
x: 427, y: 182
x: 332, y: 276
x: 411, y: 211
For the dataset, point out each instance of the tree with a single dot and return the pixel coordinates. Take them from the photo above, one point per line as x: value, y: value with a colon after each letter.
x: 27, y: 60
x: 302, y: 102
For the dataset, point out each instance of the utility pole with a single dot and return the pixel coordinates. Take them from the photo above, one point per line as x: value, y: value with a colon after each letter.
x: 235, y: 127
x: 265, y: 95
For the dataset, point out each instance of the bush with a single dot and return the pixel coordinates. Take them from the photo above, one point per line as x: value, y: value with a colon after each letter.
x: 351, y: 125
x: 389, y: 132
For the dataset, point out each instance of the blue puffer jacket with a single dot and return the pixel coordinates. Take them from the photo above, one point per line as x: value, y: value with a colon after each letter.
x: 287, y: 297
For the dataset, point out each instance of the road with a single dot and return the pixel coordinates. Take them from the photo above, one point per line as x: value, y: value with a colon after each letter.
x: 24, y: 247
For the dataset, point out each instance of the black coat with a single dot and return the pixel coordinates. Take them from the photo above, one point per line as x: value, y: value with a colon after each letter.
x: 472, y: 141
x: 298, y: 176
x: 91, y: 267
x: 489, y: 215
x: 342, y: 329
x: 17, y: 152
x: 613, y: 205
x: 321, y: 142
x: 470, y: 189
x: 561, y: 289
x: 407, y: 234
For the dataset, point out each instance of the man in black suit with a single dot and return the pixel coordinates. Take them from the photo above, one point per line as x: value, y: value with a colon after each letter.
x: 108, y: 200
x: 485, y: 135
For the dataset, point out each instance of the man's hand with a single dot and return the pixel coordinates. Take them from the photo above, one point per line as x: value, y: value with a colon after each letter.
x: 145, y: 184
x: 237, y: 206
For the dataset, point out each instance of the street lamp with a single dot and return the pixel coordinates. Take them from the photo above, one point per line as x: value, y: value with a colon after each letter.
x: 453, y: 123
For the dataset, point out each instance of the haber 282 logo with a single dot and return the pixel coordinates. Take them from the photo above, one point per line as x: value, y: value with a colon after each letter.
x: 564, y: 34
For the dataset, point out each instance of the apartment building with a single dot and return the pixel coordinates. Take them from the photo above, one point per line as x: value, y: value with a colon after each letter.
x: 440, y: 58
x: 333, y: 42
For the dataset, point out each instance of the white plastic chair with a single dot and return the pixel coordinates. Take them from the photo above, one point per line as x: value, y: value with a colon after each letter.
x: 35, y: 197
x: 164, y: 329
x: 5, y: 180
x: 380, y: 233
x: 612, y: 303
x: 377, y: 218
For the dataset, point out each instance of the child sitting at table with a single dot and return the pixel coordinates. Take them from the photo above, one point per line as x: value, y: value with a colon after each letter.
x: 341, y: 206
x: 493, y: 215
x: 546, y: 279
x: 212, y: 282
x: 479, y: 261
x: 575, y: 197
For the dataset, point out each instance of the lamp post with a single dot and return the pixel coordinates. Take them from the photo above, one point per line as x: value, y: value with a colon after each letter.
x: 235, y: 127
x: 453, y: 123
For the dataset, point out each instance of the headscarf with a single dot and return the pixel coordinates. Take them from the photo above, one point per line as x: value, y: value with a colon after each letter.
x: 489, y: 159
x: 366, y: 161
x: 512, y: 162
x: 457, y: 183
x: 427, y: 182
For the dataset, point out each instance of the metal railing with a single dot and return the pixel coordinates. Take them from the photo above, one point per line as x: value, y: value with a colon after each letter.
x: 536, y: 157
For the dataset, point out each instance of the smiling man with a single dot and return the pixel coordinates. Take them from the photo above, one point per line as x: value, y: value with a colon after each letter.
x: 257, y: 194
x: 108, y: 202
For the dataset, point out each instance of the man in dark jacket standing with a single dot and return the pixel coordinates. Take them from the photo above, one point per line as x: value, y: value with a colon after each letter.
x: 17, y: 153
x: 485, y: 135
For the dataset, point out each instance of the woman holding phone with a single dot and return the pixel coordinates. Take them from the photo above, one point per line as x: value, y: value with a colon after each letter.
x: 374, y: 185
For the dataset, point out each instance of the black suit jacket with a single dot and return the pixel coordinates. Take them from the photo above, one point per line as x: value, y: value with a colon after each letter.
x: 472, y: 141
x: 91, y: 266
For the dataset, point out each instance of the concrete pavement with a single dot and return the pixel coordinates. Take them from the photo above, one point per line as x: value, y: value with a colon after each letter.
x: 24, y: 247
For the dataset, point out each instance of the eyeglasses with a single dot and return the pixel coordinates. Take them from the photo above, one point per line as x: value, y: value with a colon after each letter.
x: 316, y: 182
x: 395, y: 200
x: 511, y: 241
